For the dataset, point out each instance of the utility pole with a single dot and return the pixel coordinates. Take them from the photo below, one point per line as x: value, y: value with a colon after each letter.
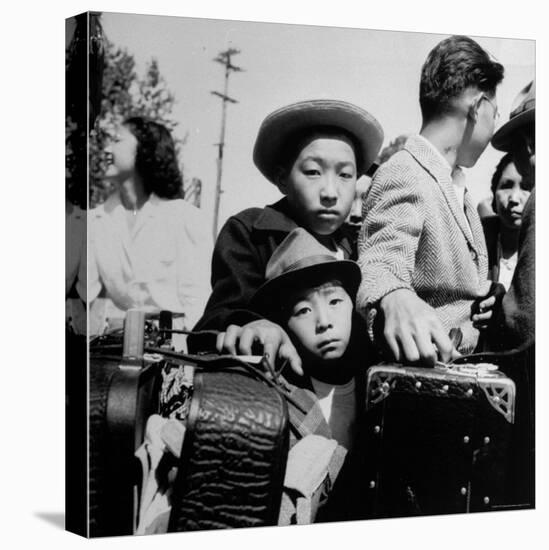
x: 225, y: 59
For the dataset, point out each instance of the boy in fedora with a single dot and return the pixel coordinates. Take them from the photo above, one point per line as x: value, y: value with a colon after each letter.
x: 313, y: 151
x: 421, y: 250
x: 310, y: 293
x: 514, y: 323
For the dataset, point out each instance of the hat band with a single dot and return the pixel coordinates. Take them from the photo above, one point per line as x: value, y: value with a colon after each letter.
x: 307, y: 262
x: 530, y: 104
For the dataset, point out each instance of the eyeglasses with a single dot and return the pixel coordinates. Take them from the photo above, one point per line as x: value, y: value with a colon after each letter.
x: 494, y: 106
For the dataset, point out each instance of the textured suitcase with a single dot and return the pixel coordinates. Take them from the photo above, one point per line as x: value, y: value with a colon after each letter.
x: 519, y: 366
x: 232, y: 463
x: 438, y: 441
x: 124, y: 391
x: 234, y: 453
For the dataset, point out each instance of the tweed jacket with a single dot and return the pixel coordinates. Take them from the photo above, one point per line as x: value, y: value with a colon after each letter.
x: 416, y: 236
x: 491, y: 226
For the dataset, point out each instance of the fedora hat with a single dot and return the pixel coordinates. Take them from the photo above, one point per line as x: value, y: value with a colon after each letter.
x: 522, y: 112
x: 286, y: 121
x: 300, y: 260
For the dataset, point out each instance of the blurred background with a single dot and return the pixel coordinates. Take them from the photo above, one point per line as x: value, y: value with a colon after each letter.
x: 174, y: 69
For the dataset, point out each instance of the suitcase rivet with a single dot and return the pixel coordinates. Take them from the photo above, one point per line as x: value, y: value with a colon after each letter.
x: 496, y: 399
x: 470, y: 392
x: 385, y: 386
x: 418, y: 384
x: 372, y: 484
x: 486, y: 440
x: 486, y: 500
x: 377, y: 429
x: 466, y: 439
x: 463, y: 491
x: 445, y: 388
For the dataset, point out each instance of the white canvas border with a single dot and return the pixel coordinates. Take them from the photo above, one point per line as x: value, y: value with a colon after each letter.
x: 33, y: 396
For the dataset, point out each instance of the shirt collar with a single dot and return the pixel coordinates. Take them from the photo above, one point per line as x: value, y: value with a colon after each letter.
x: 113, y: 205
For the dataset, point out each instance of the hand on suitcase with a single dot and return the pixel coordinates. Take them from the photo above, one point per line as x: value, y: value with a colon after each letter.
x: 413, y: 330
x: 271, y: 337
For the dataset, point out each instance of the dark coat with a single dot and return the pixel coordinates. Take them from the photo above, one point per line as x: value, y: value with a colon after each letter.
x: 243, y: 248
x: 514, y: 323
x: 491, y: 226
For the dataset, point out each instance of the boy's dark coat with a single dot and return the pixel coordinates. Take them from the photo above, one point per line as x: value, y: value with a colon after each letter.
x: 243, y: 248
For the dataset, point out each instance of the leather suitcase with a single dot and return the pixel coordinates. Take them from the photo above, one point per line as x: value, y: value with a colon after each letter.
x: 232, y: 464
x: 234, y: 453
x: 123, y: 393
x: 438, y: 441
x: 519, y: 366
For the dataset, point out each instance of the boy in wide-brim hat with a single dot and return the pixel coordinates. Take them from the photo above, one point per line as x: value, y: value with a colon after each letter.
x: 313, y: 151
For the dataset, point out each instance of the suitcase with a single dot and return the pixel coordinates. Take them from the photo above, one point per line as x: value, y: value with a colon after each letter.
x: 232, y: 464
x: 124, y: 390
x: 519, y: 366
x: 438, y: 441
x: 234, y: 454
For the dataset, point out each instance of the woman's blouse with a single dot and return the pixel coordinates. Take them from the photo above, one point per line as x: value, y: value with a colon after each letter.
x: 160, y: 261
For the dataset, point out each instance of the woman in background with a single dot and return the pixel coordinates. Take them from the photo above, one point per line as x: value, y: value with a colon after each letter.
x: 149, y: 248
x: 510, y: 194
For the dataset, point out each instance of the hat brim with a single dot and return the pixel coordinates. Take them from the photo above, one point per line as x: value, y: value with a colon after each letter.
x: 502, y: 140
x: 284, y: 122
x: 269, y: 298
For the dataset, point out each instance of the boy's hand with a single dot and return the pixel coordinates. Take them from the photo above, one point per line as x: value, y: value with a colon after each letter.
x: 413, y: 331
x: 482, y: 310
x: 274, y: 340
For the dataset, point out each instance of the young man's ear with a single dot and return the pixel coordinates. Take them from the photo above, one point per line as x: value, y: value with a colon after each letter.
x: 472, y: 113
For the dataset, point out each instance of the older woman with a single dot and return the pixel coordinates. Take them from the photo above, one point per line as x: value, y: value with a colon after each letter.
x: 149, y: 249
x: 510, y: 194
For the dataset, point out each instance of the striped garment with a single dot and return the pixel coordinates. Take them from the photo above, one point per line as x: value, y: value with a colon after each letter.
x: 416, y: 236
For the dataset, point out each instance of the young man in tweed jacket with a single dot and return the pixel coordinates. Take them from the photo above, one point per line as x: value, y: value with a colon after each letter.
x: 421, y: 250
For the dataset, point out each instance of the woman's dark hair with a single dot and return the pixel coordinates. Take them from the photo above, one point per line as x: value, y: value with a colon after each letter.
x: 502, y: 165
x: 453, y: 65
x: 155, y: 158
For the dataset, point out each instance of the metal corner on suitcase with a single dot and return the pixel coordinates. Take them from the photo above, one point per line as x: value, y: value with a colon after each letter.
x: 500, y: 392
x: 444, y: 380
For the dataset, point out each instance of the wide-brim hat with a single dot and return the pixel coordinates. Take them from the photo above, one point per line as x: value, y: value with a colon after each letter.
x: 523, y: 112
x: 281, y: 124
x: 301, y: 261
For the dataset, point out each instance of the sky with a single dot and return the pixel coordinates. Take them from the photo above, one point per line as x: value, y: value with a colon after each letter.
x: 283, y: 63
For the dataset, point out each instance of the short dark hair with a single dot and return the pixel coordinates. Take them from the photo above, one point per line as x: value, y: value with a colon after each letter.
x: 292, y: 146
x: 453, y: 65
x: 156, y: 158
x: 502, y: 165
x: 285, y: 299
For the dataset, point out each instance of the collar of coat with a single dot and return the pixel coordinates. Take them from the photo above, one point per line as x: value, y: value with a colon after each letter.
x: 278, y: 217
x: 434, y: 164
x: 429, y: 158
